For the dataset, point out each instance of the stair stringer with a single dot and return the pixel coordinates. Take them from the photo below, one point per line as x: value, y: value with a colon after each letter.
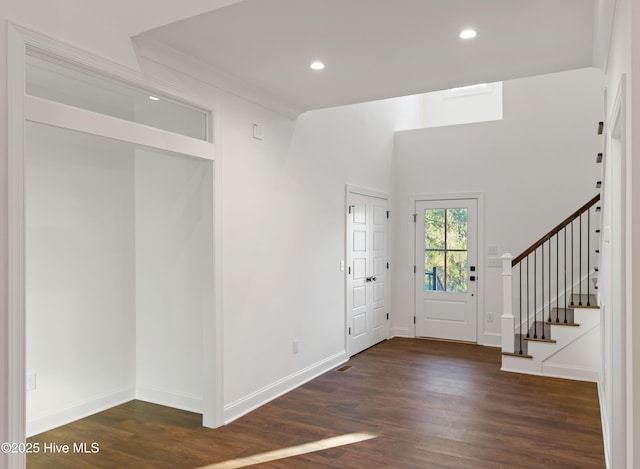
x: 569, y: 340
x: 579, y: 360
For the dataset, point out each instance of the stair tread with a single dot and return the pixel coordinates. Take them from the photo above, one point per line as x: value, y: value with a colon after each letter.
x: 562, y: 314
x: 533, y: 339
x: 584, y: 301
x: 538, y: 328
x: 509, y: 354
x: 553, y: 323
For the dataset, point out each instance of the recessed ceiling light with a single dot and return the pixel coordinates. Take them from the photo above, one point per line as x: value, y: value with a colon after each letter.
x: 317, y: 65
x: 153, y: 98
x: 468, y: 34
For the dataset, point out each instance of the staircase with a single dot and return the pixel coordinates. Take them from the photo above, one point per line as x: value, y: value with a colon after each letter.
x: 551, y: 319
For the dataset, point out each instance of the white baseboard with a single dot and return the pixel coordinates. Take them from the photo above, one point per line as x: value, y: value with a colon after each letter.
x: 530, y: 367
x: 400, y: 332
x: 605, y: 426
x: 244, y: 405
x: 569, y: 372
x: 168, y: 398
x: 490, y: 339
x: 77, y: 410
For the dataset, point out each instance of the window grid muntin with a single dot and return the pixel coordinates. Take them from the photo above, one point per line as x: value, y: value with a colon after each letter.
x: 445, y: 251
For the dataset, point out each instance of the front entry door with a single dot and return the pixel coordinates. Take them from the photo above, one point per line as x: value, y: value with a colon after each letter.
x: 367, y: 318
x: 446, y: 269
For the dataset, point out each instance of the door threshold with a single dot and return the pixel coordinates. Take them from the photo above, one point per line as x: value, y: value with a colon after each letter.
x: 453, y: 341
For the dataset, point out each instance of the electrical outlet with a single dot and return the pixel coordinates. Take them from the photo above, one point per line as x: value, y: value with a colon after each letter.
x: 296, y: 346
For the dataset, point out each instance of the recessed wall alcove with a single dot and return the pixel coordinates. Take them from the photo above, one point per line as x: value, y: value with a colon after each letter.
x: 119, y: 245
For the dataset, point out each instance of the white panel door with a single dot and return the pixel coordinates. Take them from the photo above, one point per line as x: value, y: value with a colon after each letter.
x: 446, y: 269
x: 367, y: 318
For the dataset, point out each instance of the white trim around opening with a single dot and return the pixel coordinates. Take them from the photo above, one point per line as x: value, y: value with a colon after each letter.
x: 483, y: 338
x: 19, y: 41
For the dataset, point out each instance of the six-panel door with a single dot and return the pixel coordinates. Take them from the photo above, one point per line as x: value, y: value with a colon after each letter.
x: 366, y: 272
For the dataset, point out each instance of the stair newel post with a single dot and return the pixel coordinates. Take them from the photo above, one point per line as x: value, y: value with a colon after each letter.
x: 508, y: 321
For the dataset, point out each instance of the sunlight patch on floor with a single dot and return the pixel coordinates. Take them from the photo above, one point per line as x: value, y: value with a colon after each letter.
x: 293, y: 451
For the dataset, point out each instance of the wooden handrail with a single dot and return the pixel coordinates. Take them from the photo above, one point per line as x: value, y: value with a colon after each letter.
x: 554, y: 231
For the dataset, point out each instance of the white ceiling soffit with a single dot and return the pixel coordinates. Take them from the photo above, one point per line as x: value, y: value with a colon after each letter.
x: 376, y: 49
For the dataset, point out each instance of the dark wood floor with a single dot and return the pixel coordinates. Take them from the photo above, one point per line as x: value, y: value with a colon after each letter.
x: 430, y: 405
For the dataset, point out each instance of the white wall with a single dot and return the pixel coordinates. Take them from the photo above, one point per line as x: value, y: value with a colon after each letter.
x: 174, y: 277
x: 284, y: 228
x: 80, y: 280
x: 535, y: 167
x: 4, y: 252
x: 462, y: 106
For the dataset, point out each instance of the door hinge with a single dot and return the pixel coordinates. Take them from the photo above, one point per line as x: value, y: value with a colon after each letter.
x: 387, y: 266
x: 414, y: 269
x: 349, y: 331
x: 414, y: 319
x: 415, y: 217
x: 388, y: 212
x: 387, y: 316
x: 350, y: 208
x: 349, y: 270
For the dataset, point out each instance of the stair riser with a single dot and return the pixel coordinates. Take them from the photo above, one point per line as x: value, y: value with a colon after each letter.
x: 564, y: 335
x: 583, y: 368
x: 521, y: 365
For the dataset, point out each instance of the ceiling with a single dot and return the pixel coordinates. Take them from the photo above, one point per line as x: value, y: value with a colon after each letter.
x: 375, y: 49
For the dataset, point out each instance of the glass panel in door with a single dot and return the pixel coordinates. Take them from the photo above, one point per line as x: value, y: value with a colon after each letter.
x: 445, y: 252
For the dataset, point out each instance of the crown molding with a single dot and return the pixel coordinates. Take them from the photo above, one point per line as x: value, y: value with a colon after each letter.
x: 162, y: 54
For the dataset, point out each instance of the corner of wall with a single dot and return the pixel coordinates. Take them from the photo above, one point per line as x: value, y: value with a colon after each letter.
x: 250, y: 402
x: 78, y: 410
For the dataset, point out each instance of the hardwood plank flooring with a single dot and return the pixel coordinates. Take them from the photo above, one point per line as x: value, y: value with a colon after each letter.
x: 429, y: 404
